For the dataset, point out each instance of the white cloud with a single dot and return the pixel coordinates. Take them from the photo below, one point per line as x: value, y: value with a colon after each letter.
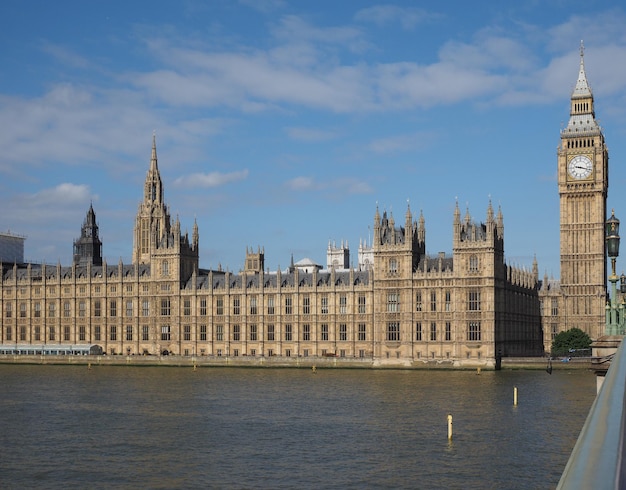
x: 302, y: 183
x: 357, y: 187
x: 66, y: 194
x: 211, y: 179
x: 348, y: 184
x: 601, y: 28
x: 293, y: 29
x: 63, y: 203
x: 202, y: 79
x: 306, y: 69
x: 491, y: 50
x: 385, y: 14
x: 70, y: 125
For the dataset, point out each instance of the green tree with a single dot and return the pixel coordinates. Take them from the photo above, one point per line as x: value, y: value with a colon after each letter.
x: 574, y: 338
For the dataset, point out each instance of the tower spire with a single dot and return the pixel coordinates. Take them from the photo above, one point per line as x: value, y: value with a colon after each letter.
x: 582, y: 122
x: 153, y: 159
x: 152, y: 223
x: 153, y: 188
x: 582, y: 88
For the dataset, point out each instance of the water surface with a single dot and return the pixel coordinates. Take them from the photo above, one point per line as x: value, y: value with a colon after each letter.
x: 163, y: 427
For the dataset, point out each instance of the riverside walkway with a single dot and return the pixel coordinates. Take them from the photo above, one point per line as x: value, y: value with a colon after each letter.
x: 285, y: 362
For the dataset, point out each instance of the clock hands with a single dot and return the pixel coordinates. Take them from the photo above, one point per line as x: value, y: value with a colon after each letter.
x: 580, y: 167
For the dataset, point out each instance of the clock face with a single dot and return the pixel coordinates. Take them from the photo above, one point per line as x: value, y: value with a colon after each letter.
x: 580, y: 167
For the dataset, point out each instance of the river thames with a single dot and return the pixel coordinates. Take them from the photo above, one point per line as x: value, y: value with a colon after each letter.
x: 165, y: 427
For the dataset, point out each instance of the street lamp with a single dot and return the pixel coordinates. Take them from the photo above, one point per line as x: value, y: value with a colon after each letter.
x: 613, y: 317
x: 612, y: 240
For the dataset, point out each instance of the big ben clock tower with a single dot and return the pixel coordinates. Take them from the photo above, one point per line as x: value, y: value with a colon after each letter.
x: 583, y: 184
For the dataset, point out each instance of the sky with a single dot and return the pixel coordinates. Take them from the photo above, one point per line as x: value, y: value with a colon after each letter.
x: 285, y: 124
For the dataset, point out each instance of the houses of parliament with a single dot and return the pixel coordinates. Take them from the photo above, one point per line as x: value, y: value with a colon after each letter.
x: 400, y: 306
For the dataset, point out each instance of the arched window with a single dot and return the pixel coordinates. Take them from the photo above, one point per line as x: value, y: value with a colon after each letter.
x: 393, y: 266
x: 473, y: 263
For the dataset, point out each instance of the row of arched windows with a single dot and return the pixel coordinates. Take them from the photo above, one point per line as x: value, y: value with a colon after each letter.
x: 581, y: 143
x: 581, y: 107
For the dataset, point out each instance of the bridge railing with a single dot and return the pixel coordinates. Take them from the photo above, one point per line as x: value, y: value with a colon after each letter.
x: 596, y: 460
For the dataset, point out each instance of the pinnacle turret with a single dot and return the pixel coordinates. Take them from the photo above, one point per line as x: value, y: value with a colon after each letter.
x: 88, y: 248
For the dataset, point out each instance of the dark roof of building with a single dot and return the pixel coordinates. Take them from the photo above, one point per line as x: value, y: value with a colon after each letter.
x: 436, y: 264
x: 270, y: 280
x: 37, y: 271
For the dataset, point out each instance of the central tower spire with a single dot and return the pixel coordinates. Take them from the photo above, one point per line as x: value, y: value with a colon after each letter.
x: 153, y: 218
x: 153, y: 187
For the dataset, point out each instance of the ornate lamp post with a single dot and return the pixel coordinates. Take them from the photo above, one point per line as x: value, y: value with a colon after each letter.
x: 614, y: 312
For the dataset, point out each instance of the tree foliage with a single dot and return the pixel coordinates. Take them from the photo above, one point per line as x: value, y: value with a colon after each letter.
x: 574, y: 338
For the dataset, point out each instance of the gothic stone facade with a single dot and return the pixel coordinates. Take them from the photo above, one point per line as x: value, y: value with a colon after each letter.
x: 406, y: 308
x: 402, y: 307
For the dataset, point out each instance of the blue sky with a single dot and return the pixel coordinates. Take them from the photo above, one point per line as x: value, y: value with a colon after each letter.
x: 284, y: 124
